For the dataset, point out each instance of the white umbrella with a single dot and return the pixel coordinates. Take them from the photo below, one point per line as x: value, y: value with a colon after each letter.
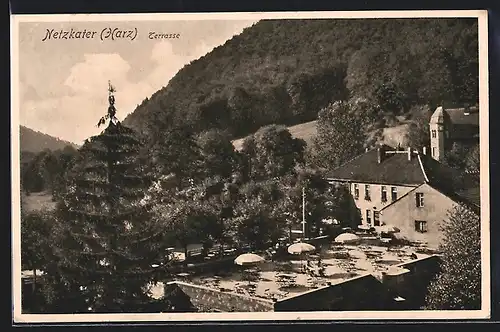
x: 347, y: 238
x: 300, y: 248
x: 248, y: 259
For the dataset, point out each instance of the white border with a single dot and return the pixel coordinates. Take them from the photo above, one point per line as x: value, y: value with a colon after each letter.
x: 18, y: 317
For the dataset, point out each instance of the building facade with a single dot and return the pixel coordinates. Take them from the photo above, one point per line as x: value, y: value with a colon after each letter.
x: 448, y: 126
x: 407, y: 189
x: 412, y: 189
x: 419, y: 214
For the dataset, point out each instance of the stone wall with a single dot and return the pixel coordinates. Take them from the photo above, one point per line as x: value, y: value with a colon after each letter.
x: 413, y: 281
x: 207, y: 299
x: 360, y: 293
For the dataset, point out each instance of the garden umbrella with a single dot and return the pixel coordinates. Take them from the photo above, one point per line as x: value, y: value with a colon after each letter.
x: 347, y: 238
x: 300, y: 248
x: 248, y: 259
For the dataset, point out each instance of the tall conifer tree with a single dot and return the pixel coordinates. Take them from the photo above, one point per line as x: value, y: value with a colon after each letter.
x: 109, y: 249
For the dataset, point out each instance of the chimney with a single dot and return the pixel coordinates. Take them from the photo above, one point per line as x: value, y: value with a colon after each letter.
x: 467, y: 109
x: 409, y: 153
x: 424, y: 150
x: 380, y: 154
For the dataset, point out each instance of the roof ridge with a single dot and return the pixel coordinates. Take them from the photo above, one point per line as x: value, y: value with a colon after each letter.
x: 358, y: 156
x: 401, y: 197
x: 455, y: 196
x: 422, y: 167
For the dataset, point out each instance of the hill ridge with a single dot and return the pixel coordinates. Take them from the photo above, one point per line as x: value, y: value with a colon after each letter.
x: 285, y: 71
x: 35, y: 141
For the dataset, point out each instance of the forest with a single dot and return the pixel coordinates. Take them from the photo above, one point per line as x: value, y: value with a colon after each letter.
x: 286, y: 71
x: 169, y: 175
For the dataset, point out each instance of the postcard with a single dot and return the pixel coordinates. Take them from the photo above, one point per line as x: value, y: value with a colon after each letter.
x: 250, y: 166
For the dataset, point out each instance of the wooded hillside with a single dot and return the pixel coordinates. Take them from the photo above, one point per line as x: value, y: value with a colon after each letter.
x: 285, y: 71
x: 32, y: 141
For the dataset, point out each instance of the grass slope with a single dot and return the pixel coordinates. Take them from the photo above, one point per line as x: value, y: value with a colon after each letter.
x: 306, y: 131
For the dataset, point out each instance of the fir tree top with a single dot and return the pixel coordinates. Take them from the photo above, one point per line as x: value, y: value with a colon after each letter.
x: 107, y: 240
x: 111, y: 115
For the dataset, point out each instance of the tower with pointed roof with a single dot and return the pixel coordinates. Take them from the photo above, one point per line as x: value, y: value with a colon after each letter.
x: 438, y: 133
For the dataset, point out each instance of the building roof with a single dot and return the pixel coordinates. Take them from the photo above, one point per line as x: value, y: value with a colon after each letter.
x: 439, y: 116
x: 457, y: 116
x: 464, y: 116
x: 394, y: 169
x: 397, y: 169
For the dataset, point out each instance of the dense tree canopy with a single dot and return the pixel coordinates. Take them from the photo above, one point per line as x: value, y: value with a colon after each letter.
x: 271, y: 152
x: 104, y: 238
x: 458, y: 286
x: 340, y: 136
x: 46, y: 170
x: 286, y: 71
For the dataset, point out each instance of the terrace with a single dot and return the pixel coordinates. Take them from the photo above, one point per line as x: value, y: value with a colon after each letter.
x: 276, y: 279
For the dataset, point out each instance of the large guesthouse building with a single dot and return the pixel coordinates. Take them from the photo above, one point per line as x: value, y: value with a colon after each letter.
x: 410, y: 189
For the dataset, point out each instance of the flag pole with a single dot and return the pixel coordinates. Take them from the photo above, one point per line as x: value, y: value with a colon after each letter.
x: 304, y: 212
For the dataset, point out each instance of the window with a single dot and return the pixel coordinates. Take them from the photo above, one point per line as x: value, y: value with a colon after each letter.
x: 368, y: 217
x: 394, y: 193
x: 367, y: 192
x: 383, y: 194
x: 356, y: 191
x: 419, y: 199
x: 376, y: 218
x: 421, y: 226
x: 433, y: 151
x: 433, y: 134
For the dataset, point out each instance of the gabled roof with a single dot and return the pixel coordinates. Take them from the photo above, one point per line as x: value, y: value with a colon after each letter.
x: 394, y: 169
x: 464, y: 116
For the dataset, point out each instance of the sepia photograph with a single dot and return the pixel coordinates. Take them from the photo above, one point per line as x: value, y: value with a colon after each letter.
x: 250, y: 166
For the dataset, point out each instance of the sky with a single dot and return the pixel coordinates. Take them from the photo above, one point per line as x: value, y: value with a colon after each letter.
x: 63, y: 82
